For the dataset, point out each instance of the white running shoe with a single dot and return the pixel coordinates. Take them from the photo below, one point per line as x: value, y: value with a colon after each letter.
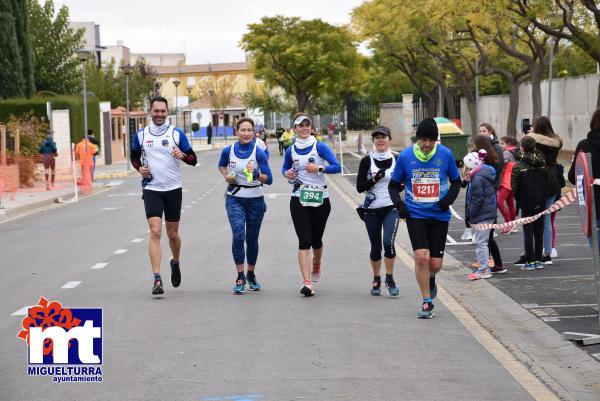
x: 467, y: 235
x: 307, y: 289
x: 554, y: 253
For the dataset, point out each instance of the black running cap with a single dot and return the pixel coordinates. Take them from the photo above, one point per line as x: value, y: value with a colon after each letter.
x: 381, y: 130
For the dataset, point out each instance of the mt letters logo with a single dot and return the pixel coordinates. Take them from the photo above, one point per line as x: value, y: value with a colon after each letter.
x: 64, y: 343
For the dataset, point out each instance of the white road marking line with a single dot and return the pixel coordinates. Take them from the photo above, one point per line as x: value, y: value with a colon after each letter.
x: 71, y: 284
x: 188, y: 206
x: 120, y: 251
x: 450, y: 239
x: 597, y: 356
x: 21, y: 312
x: 137, y: 240
x: 112, y: 208
x: 99, y: 266
x: 533, y: 306
x: 569, y: 317
x: 194, y: 202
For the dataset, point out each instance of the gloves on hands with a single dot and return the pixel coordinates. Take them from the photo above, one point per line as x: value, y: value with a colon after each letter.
x: 402, y: 210
x: 379, y: 175
x: 444, y: 205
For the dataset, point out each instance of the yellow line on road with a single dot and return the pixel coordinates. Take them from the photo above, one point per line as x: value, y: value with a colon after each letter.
x: 517, y: 370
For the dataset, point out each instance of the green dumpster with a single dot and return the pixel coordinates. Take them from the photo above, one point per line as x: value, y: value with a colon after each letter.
x: 457, y: 143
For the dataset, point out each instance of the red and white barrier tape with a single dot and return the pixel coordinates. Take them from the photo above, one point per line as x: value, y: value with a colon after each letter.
x: 564, y: 201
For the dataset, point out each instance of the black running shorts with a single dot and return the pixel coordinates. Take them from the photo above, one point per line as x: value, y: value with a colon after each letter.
x: 157, y: 202
x: 428, y: 234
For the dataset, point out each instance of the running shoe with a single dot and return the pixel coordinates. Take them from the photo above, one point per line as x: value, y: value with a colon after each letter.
x: 528, y: 266
x: 175, y: 273
x: 426, y: 311
x: 539, y: 265
x: 315, y: 274
x: 498, y: 270
x: 240, y: 286
x: 158, y: 288
x: 480, y: 274
x: 393, y: 291
x: 554, y: 253
x: 376, y: 288
x: 307, y: 289
x: 467, y: 235
x: 253, y: 284
x: 546, y: 259
x: 521, y: 262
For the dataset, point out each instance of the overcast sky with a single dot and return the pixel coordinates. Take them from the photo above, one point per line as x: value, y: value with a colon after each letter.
x: 205, y: 30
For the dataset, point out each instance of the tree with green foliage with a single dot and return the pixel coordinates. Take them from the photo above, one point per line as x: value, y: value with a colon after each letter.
x: 12, y: 83
x: 107, y: 83
x: 54, y: 44
x: 21, y: 14
x: 308, y: 59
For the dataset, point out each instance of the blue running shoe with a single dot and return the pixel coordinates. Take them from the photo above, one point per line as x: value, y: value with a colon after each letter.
x: 426, y: 311
x: 539, y: 265
x: 253, y: 284
x: 393, y: 291
x: 240, y: 286
x: 528, y: 266
x: 376, y: 288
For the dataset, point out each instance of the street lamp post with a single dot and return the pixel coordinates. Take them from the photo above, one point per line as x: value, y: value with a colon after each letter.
x: 127, y: 69
x: 176, y: 83
x: 189, y: 90
x: 83, y: 56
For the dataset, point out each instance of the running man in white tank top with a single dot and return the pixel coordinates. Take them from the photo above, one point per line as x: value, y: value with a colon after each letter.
x: 155, y: 153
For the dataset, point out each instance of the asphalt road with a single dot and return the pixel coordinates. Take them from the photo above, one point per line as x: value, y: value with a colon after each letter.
x: 563, y: 294
x: 200, y: 342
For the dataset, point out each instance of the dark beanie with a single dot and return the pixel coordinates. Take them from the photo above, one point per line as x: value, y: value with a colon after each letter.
x: 428, y: 129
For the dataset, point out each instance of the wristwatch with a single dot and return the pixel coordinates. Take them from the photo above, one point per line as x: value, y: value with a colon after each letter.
x: 321, y: 169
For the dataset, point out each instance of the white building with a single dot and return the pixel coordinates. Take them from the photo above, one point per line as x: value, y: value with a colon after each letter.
x: 91, y: 37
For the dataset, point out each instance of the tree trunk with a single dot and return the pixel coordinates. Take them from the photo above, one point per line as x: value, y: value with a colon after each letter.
x: 513, y: 107
x: 598, y: 99
x: 471, y: 106
x: 302, y: 101
x: 450, y: 104
x: 432, y: 102
x: 536, y: 89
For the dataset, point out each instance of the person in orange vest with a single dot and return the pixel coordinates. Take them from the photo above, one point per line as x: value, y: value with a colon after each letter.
x: 84, y: 153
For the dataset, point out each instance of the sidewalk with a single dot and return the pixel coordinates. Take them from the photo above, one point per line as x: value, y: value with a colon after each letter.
x: 568, y: 370
x: 26, y: 200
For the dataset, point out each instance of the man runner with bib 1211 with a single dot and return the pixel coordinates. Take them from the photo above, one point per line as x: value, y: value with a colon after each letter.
x: 155, y: 152
x: 432, y: 183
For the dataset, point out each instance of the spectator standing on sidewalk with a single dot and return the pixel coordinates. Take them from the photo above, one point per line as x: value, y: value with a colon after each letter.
x: 492, y: 159
x: 506, y: 200
x: 529, y: 183
x: 591, y: 144
x: 49, y: 154
x: 549, y: 144
x: 93, y: 140
x: 480, y: 207
x: 209, y: 133
x: 279, y: 132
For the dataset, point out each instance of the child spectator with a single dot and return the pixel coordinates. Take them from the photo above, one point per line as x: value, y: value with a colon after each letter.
x: 481, y: 207
x: 506, y: 200
x: 529, y: 182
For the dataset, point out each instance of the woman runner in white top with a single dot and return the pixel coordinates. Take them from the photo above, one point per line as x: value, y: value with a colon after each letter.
x: 304, y: 167
x: 378, y: 211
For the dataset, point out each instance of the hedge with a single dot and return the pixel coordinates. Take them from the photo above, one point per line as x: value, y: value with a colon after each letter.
x: 37, y: 105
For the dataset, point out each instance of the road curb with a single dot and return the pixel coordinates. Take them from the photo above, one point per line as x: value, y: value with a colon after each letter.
x: 12, y: 213
x: 565, y: 369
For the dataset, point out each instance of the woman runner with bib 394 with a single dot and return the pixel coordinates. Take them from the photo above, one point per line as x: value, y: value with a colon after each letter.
x: 304, y: 168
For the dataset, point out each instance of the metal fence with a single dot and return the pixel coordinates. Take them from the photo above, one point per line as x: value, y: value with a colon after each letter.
x: 362, y: 114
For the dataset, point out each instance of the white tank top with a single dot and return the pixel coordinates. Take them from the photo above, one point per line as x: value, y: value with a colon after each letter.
x: 237, y: 165
x: 312, y: 179
x: 157, y: 151
x: 379, y: 196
